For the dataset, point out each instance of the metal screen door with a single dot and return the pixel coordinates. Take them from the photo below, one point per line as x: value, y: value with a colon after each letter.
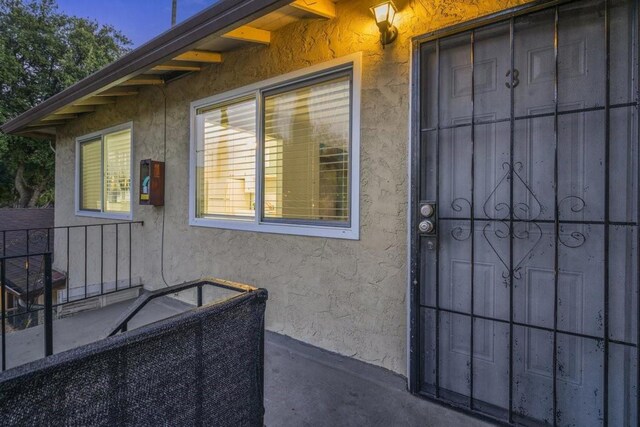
x: 526, y: 269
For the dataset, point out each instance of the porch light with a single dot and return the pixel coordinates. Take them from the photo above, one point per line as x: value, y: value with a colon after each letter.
x: 385, y: 13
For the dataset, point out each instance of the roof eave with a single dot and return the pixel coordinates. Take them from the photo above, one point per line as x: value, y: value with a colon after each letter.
x: 225, y: 15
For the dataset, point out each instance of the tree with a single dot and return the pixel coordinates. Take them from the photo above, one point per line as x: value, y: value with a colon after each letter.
x: 42, y: 51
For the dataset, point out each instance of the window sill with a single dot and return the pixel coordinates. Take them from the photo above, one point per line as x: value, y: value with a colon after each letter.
x: 352, y: 233
x: 106, y: 215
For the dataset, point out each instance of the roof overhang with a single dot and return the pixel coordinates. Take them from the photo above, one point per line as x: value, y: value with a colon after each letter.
x: 222, y: 18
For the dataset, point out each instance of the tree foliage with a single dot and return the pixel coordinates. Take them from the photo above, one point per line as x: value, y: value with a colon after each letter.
x: 42, y: 51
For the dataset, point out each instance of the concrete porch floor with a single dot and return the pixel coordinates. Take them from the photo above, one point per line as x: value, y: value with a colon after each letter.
x: 304, y: 385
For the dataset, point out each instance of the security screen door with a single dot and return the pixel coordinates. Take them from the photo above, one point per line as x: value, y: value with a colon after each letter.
x: 527, y: 280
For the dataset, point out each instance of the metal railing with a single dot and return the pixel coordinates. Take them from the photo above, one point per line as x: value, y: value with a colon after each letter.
x: 64, y: 241
x: 29, y: 291
x: 144, y: 299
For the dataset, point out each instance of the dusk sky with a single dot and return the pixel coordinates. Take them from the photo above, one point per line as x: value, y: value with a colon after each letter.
x: 140, y: 20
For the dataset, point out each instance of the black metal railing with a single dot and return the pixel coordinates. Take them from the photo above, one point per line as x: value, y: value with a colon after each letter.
x: 34, y: 287
x: 80, y: 252
x: 144, y: 299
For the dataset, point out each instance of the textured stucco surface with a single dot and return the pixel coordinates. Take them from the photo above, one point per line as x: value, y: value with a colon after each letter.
x: 345, y: 296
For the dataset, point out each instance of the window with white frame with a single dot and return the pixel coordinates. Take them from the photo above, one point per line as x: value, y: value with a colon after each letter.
x: 280, y: 156
x: 103, y: 173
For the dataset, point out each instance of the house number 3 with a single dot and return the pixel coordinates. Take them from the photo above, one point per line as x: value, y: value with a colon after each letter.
x: 515, y: 79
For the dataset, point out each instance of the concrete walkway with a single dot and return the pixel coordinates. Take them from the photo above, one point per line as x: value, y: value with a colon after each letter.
x: 308, y: 386
x: 304, y: 385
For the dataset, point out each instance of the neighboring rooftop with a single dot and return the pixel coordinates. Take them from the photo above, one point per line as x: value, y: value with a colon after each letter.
x: 11, y: 219
x: 16, y: 240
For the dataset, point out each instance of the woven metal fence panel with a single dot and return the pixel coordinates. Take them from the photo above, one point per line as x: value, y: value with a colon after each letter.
x: 203, y: 367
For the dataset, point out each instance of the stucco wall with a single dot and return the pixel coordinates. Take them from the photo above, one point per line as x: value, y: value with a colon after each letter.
x: 345, y: 296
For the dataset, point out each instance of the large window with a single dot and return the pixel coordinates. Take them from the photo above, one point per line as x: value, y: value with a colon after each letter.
x: 104, y: 173
x: 281, y: 156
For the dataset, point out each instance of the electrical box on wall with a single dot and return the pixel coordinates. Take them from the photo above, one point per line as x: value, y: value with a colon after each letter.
x: 151, y: 183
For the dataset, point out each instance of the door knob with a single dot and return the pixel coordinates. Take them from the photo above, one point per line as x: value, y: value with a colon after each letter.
x: 426, y: 226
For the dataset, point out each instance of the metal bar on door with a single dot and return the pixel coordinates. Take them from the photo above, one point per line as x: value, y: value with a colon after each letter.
x: 556, y: 219
x: 472, y: 215
x: 637, y: 112
x: 437, y: 248
x: 532, y: 326
x: 607, y: 177
x: 511, y: 145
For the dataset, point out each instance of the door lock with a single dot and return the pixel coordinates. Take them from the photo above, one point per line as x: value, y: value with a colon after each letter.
x: 427, y: 210
x: 426, y: 226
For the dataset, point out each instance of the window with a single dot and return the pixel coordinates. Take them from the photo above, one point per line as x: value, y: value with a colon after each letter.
x: 281, y: 156
x: 104, y: 173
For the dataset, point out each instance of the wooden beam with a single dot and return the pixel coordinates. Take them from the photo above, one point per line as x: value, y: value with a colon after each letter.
x: 97, y: 100
x: 46, y: 125
x: 200, y: 56
x: 323, y: 8
x: 75, y: 109
x: 249, y: 34
x: 177, y: 66
x: 55, y: 117
x: 143, y: 79
x: 119, y: 91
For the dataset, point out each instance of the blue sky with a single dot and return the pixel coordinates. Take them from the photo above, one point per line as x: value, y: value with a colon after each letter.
x: 140, y: 20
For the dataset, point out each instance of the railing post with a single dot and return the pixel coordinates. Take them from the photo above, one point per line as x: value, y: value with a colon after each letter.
x: 48, y: 307
x: 3, y: 269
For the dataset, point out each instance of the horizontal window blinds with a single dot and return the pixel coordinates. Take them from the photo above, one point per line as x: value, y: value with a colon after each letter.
x: 226, y: 160
x: 307, y: 148
x: 91, y: 175
x: 117, y: 171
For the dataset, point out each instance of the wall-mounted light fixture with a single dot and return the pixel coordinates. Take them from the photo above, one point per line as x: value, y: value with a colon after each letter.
x: 385, y: 13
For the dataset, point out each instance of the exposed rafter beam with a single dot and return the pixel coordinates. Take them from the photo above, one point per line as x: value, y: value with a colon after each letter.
x: 323, y: 8
x: 200, y: 56
x: 55, y: 117
x: 143, y: 79
x: 76, y: 109
x: 46, y: 125
x: 249, y: 34
x: 119, y: 91
x: 96, y: 100
x: 177, y: 66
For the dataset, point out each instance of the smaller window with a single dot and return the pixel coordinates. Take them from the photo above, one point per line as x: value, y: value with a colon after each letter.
x: 104, y: 173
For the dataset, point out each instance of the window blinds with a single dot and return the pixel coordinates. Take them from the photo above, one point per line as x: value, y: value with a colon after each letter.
x: 90, y: 175
x: 307, y: 134
x: 226, y: 160
x: 117, y: 171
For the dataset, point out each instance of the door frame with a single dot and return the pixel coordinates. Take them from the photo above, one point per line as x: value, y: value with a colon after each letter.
x: 413, y: 283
